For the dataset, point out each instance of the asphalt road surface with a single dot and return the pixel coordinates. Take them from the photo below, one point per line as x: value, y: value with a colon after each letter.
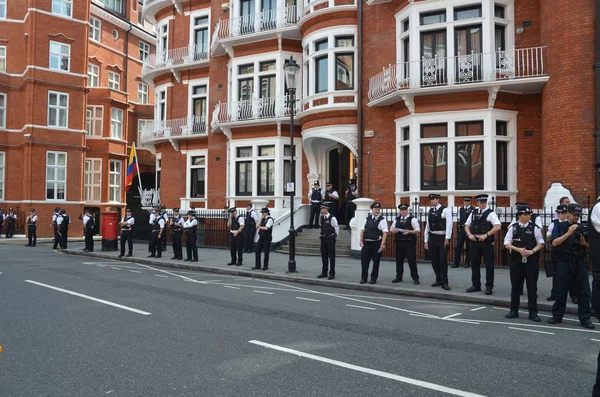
x: 76, y: 327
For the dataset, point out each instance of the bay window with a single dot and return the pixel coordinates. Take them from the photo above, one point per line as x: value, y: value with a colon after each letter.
x: 114, y: 182
x: 56, y: 175
x: 93, y: 180
x: 198, y: 177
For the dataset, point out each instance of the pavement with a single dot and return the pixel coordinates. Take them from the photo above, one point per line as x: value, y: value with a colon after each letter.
x: 347, y: 275
x: 83, y: 326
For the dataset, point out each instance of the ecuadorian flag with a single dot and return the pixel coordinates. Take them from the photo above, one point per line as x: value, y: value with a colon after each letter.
x: 132, y: 168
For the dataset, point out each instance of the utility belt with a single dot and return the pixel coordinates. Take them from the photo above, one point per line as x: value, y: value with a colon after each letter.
x: 327, y: 202
x: 437, y: 233
x: 125, y: 230
x: 156, y: 231
x: 372, y: 241
x: 176, y: 230
x: 328, y: 237
x: 315, y: 201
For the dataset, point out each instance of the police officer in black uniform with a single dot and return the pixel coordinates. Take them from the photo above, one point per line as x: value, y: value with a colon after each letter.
x: 315, y: 195
x: 176, y: 225
x: 562, y: 214
x: 250, y: 222
x: 127, y: 233
x: 1, y: 220
x: 190, y: 226
x: 406, y: 229
x: 461, y: 236
x: 373, y: 235
x: 158, y: 228
x: 11, y: 220
x: 525, y: 241
x: 351, y: 194
x: 64, y: 228
x: 331, y: 198
x: 570, y: 240
x: 54, y: 226
x: 88, y: 230
x: 330, y: 229
x: 236, y: 228
x: 265, y: 235
x: 481, y: 226
x: 31, y: 228
x: 438, y: 231
x: 165, y: 216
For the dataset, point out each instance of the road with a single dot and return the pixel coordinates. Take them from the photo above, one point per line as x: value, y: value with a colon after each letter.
x: 73, y: 326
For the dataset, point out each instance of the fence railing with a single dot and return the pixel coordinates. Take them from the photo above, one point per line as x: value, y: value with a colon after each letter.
x: 460, y: 69
x: 188, y: 126
x: 177, y: 56
x: 254, y: 23
x: 253, y: 109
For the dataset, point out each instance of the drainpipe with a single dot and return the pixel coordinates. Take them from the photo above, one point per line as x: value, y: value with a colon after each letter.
x: 359, y: 113
x: 597, y: 73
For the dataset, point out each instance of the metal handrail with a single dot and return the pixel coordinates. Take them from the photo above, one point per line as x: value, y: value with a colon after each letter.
x: 253, y: 109
x: 254, y: 23
x: 177, y: 56
x: 193, y: 125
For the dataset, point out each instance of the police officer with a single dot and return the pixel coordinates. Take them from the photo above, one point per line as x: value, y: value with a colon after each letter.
x: 158, y: 228
x: 151, y: 225
x: 165, y: 216
x: 524, y: 240
x: 481, y: 226
x: 54, y: 226
x: 236, y: 228
x: 190, y: 226
x: 569, y: 239
x: 351, y: 194
x: 127, y: 233
x: 438, y: 231
x: 65, y: 221
x: 330, y: 229
x: 561, y: 216
x: 373, y: 235
x: 10, y: 219
x: 250, y: 228
x: 406, y: 229
x: 315, y: 196
x: 176, y: 225
x: 31, y: 228
x: 594, y: 240
x: 263, y: 239
x: 564, y: 201
x: 461, y: 236
x: 331, y: 199
x: 88, y: 230
x: 535, y: 218
x: 1, y: 220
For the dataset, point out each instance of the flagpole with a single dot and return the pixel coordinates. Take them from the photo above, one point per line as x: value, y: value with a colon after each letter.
x: 140, y: 189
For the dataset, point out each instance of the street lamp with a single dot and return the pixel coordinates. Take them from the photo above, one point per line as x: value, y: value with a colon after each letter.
x: 290, y: 69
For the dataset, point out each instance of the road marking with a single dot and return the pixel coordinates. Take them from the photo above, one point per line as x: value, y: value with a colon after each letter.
x: 210, y: 281
x: 478, y: 308
x: 423, y: 315
x: 387, y: 375
x: 135, y: 271
x: 361, y: 307
x: 532, y: 330
x: 229, y: 286
x: 432, y: 301
x: 116, y: 268
x: 307, y: 299
x: 263, y: 292
x: 450, y: 316
x: 170, y: 273
x: 596, y: 340
x: 66, y: 291
x: 161, y: 275
x: 542, y: 315
x: 242, y: 279
x: 0, y: 272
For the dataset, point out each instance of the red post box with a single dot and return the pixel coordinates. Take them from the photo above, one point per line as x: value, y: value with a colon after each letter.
x: 110, y: 230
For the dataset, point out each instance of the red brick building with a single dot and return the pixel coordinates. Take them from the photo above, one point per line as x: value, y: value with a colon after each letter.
x: 71, y: 103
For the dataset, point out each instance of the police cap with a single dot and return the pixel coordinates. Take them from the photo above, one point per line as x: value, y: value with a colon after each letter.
x: 57, y: 209
x: 265, y: 209
x: 376, y: 204
x: 328, y: 184
x: 467, y: 198
x: 324, y: 206
x: 403, y: 207
x: 482, y: 198
x: 575, y: 209
x: 249, y: 205
x: 31, y: 210
x: 523, y: 209
x: 434, y: 196
x: 562, y: 209
x: 191, y: 212
x: 232, y: 209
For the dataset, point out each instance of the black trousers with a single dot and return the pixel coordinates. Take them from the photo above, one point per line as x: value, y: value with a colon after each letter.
x: 64, y: 237
x: 32, y: 234
x: 462, y: 240
x: 578, y: 269
x: 370, y: 252
x: 406, y: 249
x: 315, y: 210
x: 164, y: 239
x: 263, y: 245
x: 191, y: 247
x: 529, y: 272
x: 350, y: 207
x: 596, y: 306
x: 176, y: 244
x: 328, y: 255
x: 56, y: 238
x: 439, y: 257
x: 236, y: 247
x: 89, y: 240
x: 10, y: 229
x: 483, y: 250
x: 127, y: 235
x: 572, y: 291
x: 156, y: 247
x: 249, y: 232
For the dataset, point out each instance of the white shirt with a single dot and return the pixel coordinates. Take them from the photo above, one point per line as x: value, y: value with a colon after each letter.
x: 413, y: 222
x: 269, y: 225
x: 131, y: 221
x: 354, y: 193
x: 33, y: 218
x: 85, y: 219
x: 180, y: 222
x: 152, y: 218
x: 491, y: 218
x: 54, y: 217
x: 383, y: 226
x: 165, y: 216
x: 334, y: 223
x: 334, y: 194
x: 254, y: 215
x: 537, y: 232
x: 188, y: 224
x: 6, y: 216
x: 241, y: 222
x: 447, y: 215
x: 310, y: 194
x: 59, y: 220
x: 595, y: 217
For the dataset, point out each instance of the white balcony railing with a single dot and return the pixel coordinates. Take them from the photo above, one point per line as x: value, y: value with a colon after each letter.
x: 461, y: 69
x: 168, y: 129
x: 253, y: 109
x: 259, y: 22
x: 176, y: 57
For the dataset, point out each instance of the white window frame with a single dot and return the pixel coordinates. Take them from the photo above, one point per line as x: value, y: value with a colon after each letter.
x: 3, y: 59
x: 160, y: 99
x: 91, y: 121
x: 189, y: 167
x: 89, y: 180
x: 204, y: 12
x: 56, y: 182
x: 144, y: 50
x: 66, y: 8
x: 116, y: 123
x: 114, y: 81
x: 162, y: 41
x: 157, y: 168
x: 59, y: 56
x: 141, y: 124
x: 57, y: 108
x: 93, y: 75
x: 3, y: 106
x: 115, y: 5
x: 2, y: 173
x: 115, y: 180
x: 191, y: 96
x: 143, y: 90
x: 95, y: 29
x: 3, y: 8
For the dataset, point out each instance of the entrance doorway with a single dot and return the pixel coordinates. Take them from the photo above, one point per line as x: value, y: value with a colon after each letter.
x: 342, y: 164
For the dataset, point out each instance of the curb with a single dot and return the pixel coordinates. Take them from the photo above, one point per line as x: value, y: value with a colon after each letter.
x: 433, y: 294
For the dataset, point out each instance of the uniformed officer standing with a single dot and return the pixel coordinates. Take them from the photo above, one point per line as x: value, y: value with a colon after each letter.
x: 127, y: 233
x: 438, y: 232
x: 176, y: 225
x: 373, y: 235
x: 236, y: 228
x: 151, y: 225
x: 524, y: 240
x: 315, y: 195
x: 535, y: 218
x: 571, y: 246
x: 54, y: 226
x: 351, y: 194
x: 165, y: 216
x: 461, y: 236
x: 564, y: 201
x: 331, y: 199
x: 64, y: 228
x: 250, y: 228
x: 10, y: 219
x: 406, y: 229
x: 31, y: 228
x: 330, y: 229
x: 1, y: 220
x: 88, y: 230
x: 481, y: 226
x: 561, y: 215
x: 190, y: 226
x: 158, y: 228
x: 264, y: 235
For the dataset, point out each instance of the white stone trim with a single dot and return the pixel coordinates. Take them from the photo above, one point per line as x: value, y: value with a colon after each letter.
x: 107, y: 16
x: 196, y: 82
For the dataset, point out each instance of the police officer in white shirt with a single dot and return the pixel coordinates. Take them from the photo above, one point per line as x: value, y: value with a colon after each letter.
x: 373, y: 236
x: 406, y: 228
x: 330, y: 229
x: 565, y: 201
x: 315, y: 196
x: 127, y: 233
x: 438, y: 232
x: 88, y: 230
x: 190, y: 226
x: 236, y: 228
x: 331, y: 199
x: 264, y: 236
x: 562, y: 214
x: 32, y: 228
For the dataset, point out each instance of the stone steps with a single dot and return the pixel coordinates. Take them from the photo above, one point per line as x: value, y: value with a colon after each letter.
x: 309, y: 244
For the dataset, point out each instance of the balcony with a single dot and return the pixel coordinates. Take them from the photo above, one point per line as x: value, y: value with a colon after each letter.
x: 150, y: 8
x: 174, y: 61
x: 267, y: 24
x: 252, y: 112
x: 521, y: 69
x: 318, y: 7
x: 173, y: 131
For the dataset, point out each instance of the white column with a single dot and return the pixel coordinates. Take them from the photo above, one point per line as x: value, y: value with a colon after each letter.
x: 363, y: 207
